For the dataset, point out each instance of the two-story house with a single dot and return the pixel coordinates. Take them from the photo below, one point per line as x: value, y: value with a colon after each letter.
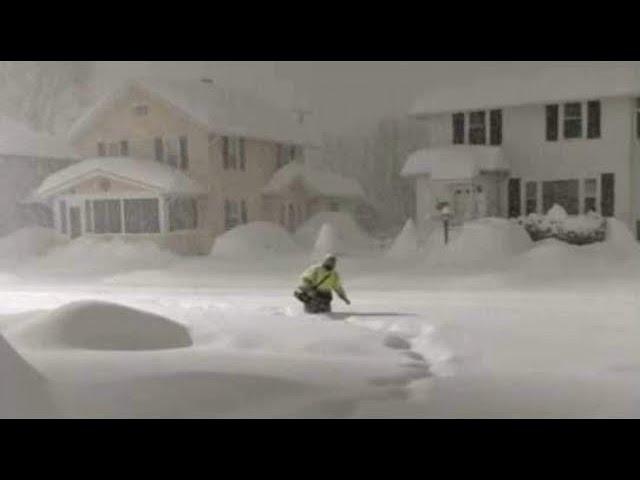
x: 517, y: 145
x: 175, y: 161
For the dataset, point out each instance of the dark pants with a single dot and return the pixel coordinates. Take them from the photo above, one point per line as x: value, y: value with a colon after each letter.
x: 320, y: 303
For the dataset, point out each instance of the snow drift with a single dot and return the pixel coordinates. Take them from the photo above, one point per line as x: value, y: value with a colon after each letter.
x: 349, y: 237
x: 91, y: 325
x: 23, y: 390
x: 255, y: 239
x: 29, y: 242
x: 488, y: 241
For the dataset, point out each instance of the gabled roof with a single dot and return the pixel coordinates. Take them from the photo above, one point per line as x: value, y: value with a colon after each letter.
x: 18, y: 140
x: 546, y: 84
x: 146, y: 173
x: 315, y: 181
x: 457, y: 162
x: 219, y: 110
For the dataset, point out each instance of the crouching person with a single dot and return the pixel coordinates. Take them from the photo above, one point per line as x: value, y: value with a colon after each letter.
x: 318, y: 283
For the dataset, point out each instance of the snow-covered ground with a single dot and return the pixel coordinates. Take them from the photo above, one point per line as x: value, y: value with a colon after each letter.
x: 551, y: 331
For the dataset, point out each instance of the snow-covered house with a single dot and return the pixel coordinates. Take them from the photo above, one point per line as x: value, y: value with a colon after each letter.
x: 224, y: 144
x: 27, y: 157
x: 514, y: 145
x: 298, y: 191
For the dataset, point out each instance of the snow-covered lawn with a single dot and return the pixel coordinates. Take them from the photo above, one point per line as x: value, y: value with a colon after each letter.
x: 552, y: 332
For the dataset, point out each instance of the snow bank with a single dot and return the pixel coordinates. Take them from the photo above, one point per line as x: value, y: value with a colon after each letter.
x: 488, y: 241
x: 350, y: 238
x: 254, y: 240
x: 104, y: 255
x: 28, y: 242
x: 91, y: 325
x: 406, y: 243
x: 23, y: 391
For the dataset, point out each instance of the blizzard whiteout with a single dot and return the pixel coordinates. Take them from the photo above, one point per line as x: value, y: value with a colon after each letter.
x: 159, y: 285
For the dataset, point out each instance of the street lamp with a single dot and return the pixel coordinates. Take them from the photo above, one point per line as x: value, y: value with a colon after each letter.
x: 445, y: 214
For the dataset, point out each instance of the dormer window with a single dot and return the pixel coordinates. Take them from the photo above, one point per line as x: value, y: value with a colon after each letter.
x: 140, y: 110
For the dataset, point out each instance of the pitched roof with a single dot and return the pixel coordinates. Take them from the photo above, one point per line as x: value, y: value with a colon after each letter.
x: 18, y: 140
x: 546, y: 84
x: 220, y: 110
x: 149, y: 174
x: 454, y: 162
x: 315, y: 181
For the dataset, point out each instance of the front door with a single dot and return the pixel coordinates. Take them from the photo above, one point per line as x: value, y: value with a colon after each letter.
x: 76, y: 226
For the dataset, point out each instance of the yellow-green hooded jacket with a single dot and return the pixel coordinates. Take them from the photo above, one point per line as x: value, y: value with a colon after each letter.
x: 314, y: 274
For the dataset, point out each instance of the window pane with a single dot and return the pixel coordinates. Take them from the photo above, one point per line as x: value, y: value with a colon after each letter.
x: 458, y: 128
x: 593, y: 125
x: 141, y: 215
x: 572, y: 120
x: 183, y: 214
x: 495, y: 120
x: 477, y: 128
x: 552, y: 123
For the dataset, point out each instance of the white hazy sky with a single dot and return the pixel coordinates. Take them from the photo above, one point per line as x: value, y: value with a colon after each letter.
x: 343, y: 95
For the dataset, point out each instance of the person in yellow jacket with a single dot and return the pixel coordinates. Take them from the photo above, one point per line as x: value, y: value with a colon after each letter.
x: 318, y: 281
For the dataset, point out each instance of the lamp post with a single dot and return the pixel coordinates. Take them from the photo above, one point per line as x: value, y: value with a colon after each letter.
x: 445, y: 214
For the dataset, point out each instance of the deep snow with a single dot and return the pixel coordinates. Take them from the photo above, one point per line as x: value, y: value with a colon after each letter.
x: 550, y: 331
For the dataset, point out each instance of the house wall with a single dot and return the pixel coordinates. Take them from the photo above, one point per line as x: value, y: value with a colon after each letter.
x: 20, y: 176
x: 533, y: 158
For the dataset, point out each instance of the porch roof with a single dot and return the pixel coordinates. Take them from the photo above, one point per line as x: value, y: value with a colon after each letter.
x: 455, y: 162
x: 148, y: 174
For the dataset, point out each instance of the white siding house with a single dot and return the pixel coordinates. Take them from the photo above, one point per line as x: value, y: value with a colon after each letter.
x: 569, y: 136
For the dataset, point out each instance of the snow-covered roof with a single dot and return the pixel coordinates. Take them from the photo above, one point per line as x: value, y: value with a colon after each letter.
x: 315, y: 181
x: 220, y: 110
x: 147, y: 173
x: 18, y: 140
x: 454, y: 162
x: 548, y: 84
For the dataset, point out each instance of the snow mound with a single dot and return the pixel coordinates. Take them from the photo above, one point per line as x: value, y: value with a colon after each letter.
x: 350, y: 238
x: 406, y: 243
x: 23, y: 390
x: 92, y: 325
x: 103, y: 255
x: 29, y: 242
x: 488, y: 241
x: 255, y: 239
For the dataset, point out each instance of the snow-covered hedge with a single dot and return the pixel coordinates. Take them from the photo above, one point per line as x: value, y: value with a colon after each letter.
x: 576, y: 229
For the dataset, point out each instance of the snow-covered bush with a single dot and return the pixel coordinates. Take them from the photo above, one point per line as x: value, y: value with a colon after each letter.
x: 575, y: 229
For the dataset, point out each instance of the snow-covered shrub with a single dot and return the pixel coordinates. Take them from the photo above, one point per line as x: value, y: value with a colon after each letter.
x: 573, y: 229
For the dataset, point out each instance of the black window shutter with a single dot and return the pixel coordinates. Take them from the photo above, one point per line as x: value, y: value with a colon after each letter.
x: 159, y: 149
x: 184, y: 153
x: 593, y: 119
x: 552, y: 123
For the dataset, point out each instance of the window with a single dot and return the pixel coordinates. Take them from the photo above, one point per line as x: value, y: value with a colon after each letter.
x: 63, y: 216
x: 495, y: 124
x: 531, y: 192
x: 243, y: 212
x: 573, y: 120
x: 234, y: 154
x: 183, y: 214
x: 124, y: 148
x: 102, y: 151
x: 158, y: 149
x: 88, y: 220
x: 107, y: 216
x: 230, y: 214
x: 589, y: 195
x: 184, y: 153
x: 458, y: 128
x: 141, y: 215
x: 477, y: 128
x: 552, y: 123
x: 140, y: 110
x: 593, y: 119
